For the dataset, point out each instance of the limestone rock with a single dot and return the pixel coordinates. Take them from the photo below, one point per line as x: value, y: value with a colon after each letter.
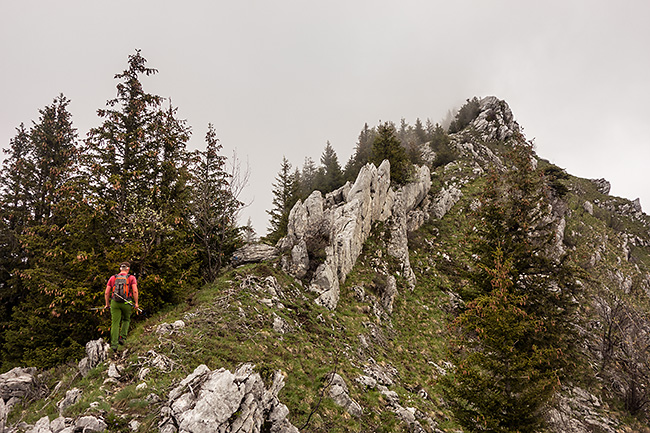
x: 341, y: 395
x: 495, y: 121
x: 4, y: 412
x: 71, y: 397
x: 221, y: 401
x: 96, y: 353
x: 18, y: 382
x: 325, y: 235
x: 445, y: 200
x: 602, y: 185
x: 88, y: 424
x: 253, y: 253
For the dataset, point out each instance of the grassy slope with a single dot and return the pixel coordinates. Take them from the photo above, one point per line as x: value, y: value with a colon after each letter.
x: 228, y: 325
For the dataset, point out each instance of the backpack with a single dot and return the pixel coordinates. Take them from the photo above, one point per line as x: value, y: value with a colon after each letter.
x: 122, y: 288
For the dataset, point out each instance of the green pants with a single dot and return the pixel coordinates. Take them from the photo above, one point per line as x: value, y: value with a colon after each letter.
x: 120, y: 312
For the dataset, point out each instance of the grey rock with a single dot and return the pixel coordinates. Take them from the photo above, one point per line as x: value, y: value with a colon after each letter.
x: 253, y: 253
x: 4, y: 412
x: 71, y: 397
x: 96, y: 353
x: 337, y: 226
x: 89, y: 424
x: 221, y: 401
x: 59, y: 424
x: 602, y: 185
x: 388, y: 294
x: 444, y: 201
x: 588, y: 207
x: 41, y: 426
x: 339, y: 392
x: 18, y: 382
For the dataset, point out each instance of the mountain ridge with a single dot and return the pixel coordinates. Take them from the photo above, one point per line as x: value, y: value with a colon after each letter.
x: 372, y: 359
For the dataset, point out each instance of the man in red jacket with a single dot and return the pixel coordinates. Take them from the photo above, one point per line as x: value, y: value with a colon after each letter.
x: 122, y: 293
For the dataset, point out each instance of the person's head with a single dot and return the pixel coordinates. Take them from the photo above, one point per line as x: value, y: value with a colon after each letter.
x: 124, y: 266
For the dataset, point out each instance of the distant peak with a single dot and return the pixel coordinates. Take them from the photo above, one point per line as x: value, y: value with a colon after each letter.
x: 495, y: 120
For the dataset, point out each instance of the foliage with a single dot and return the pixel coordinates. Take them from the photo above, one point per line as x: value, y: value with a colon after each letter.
x: 69, y: 214
x: 285, y: 195
x: 386, y: 146
x: 214, y: 207
x: 330, y: 176
x: 514, y: 338
x: 465, y: 115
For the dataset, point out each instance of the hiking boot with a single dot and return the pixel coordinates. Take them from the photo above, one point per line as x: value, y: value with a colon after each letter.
x: 120, y: 341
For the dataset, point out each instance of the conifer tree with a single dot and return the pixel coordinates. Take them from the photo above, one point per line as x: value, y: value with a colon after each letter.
x: 387, y: 146
x: 285, y: 195
x: 362, y: 153
x: 137, y: 166
x: 513, y: 343
x: 214, y: 207
x: 308, y: 178
x: 330, y: 177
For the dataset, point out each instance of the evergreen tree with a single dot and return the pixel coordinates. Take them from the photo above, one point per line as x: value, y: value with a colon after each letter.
x: 308, y: 178
x: 137, y: 165
x: 420, y: 132
x: 331, y: 175
x: 513, y: 342
x: 387, y: 146
x: 465, y: 115
x: 214, y: 208
x: 285, y: 195
x: 362, y: 153
x: 14, y: 218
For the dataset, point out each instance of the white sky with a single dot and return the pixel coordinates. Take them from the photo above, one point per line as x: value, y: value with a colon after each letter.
x: 283, y: 77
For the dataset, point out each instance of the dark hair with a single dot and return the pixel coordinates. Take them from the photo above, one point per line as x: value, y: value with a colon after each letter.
x: 127, y: 264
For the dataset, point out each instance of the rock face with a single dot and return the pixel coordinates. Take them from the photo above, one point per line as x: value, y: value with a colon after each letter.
x: 325, y: 235
x: 221, y: 401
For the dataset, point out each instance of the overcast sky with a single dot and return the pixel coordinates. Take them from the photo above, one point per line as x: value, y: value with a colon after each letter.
x: 282, y: 77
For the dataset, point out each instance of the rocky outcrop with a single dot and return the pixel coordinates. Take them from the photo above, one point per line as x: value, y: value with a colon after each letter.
x: 17, y: 383
x: 253, y: 253
x: 495, y: 121
x: 221, y: 401
x: 578, y: 411
x: 325, y: 235
x: 96, y: 353
x: 602, y: 185
x: 84, y: 424
x: 341, y: 395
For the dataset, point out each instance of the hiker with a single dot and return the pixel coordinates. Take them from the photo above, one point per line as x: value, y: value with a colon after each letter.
x: 122, y: 291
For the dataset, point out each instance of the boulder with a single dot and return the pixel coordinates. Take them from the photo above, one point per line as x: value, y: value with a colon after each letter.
x: 18, y: 382
x: 341, y: 395
x: 71, y: 397
x: 96, y: 353
x: 221, y: 401
x: 253, y: 253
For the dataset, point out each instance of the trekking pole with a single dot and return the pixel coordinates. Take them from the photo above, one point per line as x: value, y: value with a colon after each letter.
x: 126, y: 301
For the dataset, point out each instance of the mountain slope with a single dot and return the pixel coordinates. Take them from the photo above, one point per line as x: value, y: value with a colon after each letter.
x: 371, y: 357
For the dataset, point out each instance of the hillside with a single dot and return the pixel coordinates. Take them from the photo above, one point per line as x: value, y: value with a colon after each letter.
x: 346, y: 325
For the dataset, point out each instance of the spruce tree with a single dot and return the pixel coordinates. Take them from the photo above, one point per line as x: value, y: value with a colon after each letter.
x: 513, y: 342
x: 285, y: 195
x: 362, y: 153
x: 330, y: 177
x: 137, y: 163
x: 214, y: 207
x: 387, y: 146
